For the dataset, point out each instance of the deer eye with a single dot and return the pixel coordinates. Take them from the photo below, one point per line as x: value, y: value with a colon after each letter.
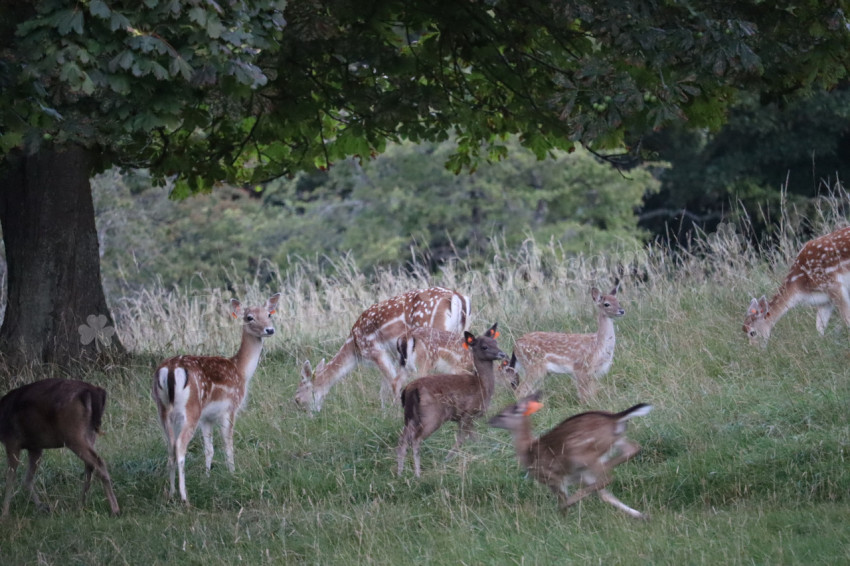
x: 606, y: 304
x: 249, y: 317
x: 753, y: 333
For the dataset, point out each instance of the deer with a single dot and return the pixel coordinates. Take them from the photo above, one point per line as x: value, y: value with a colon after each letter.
x: 582, y: 450
x: 52, y: 413
x: 585, y: 356
x: 207, y: 390
x: 374, y: 336
x: 424, y: 350
x: 819, y: 276
x: 433, y: 400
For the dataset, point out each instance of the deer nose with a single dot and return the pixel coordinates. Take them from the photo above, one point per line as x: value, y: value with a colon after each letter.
x: 269, y: 330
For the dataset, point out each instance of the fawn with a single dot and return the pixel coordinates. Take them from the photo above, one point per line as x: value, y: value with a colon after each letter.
x: 433, y: 400
x: 586, y: 356
x: 376, y: 332
x: 208, y: 390
x: 819, y: 276
x: 53, y: 413
x: 424, y: 350
x: 581, y: 450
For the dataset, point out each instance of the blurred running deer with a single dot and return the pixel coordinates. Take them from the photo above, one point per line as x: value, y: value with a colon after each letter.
x: 374, y: 336
x: 582, y: 450
x: 53, y: 413
x: 433, y: 400
x: 819, y: 276
x: 208, y: 390
x: 585, y: 356
x: 424, y: 350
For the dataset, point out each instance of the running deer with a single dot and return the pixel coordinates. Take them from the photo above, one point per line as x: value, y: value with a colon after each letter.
x: 582, y: 450
x: 53, y: 413
x: 585, y: 356
x: 433, y: 400
x: 820, y: 277
x: 424, y: 350
x: 209, y: 390
x: 374, y: 336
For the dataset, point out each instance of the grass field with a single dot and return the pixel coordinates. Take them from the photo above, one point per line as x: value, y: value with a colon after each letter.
x: 743, y: 457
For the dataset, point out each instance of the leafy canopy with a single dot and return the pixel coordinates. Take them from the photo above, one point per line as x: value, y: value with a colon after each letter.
x: 248, y: 90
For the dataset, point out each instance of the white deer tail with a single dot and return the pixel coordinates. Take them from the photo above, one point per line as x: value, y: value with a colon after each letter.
x: 459, y: 316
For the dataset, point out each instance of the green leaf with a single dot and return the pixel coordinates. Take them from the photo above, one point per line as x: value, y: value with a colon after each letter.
x: 67, y: 21
x: 100, y: 9
x: 10, y: 140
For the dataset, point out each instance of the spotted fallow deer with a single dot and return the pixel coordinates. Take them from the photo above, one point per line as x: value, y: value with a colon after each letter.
x: 209, y: 390
x: 819, y: 276
x: 582, y: 450
x: 53, y: 413
x: 585, y: 356
x: 424, y: 350
x: 374, y: 336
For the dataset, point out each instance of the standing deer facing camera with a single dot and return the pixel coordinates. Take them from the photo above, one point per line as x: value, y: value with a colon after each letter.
x: 586, y: 356
x: 433, y: 400
x: 819, y: 276
x: 581, y: 450
x: 374, y: 336
x: 53, y: 413
x: 208, y: 390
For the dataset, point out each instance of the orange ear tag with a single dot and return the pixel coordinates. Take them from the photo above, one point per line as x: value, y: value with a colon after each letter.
x: 465, y: 346
x: 272, y: 311
x: 497, y: 334
x: 533, y: 407
x: 233, y: 314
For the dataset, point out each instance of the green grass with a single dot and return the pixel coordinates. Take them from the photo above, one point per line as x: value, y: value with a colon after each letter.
x: 743, y: 458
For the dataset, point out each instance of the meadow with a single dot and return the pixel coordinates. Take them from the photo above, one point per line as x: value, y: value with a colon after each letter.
x: 743, y: 458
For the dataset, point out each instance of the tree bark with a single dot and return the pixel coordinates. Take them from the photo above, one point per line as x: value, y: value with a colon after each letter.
x: 55, y: 296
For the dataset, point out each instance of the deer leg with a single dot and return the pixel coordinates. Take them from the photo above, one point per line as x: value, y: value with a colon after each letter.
x: 180, y: 448
x: 227, y: 436
x: 403, y: 443
x: 95, y: 463
x: 34, y: 457
x: 609, y: 497
x: 209, y: 451
x: 382, y: 359
x: 839, y: 297
x: 627, y: 450
x: 592, y: 481
x: 586, y: 385
x: 465, y: 429
x: 12, y: 461
x: 822, y: 318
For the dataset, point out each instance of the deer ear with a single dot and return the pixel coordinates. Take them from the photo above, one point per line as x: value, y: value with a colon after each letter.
x: 595, y: 294
x: 468, y: 339
x: 271, y: 304
x: 235, y: 308
x: 531, y: 407
x: 306, y: 371
x: 492, y: 332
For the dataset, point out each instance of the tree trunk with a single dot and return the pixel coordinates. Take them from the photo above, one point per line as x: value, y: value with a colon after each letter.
x: 56, y: 311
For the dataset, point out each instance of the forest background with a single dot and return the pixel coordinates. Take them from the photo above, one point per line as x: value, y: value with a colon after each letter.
x: 405, y: 207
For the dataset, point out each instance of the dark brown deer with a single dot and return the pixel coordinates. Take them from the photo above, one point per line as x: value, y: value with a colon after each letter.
x: 53, y: 413
x: 582, y: 450
x: 433, y: 400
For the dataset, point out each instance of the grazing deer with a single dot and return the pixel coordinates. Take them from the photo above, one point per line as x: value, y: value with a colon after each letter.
x: 53, y: 413
x: 581, y: 450
x: 376, y: 332
x: 424, y: 350
x: 208, y: 390
x: 433, y: 400
x: 586, y: 356
x: 820, y: 277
